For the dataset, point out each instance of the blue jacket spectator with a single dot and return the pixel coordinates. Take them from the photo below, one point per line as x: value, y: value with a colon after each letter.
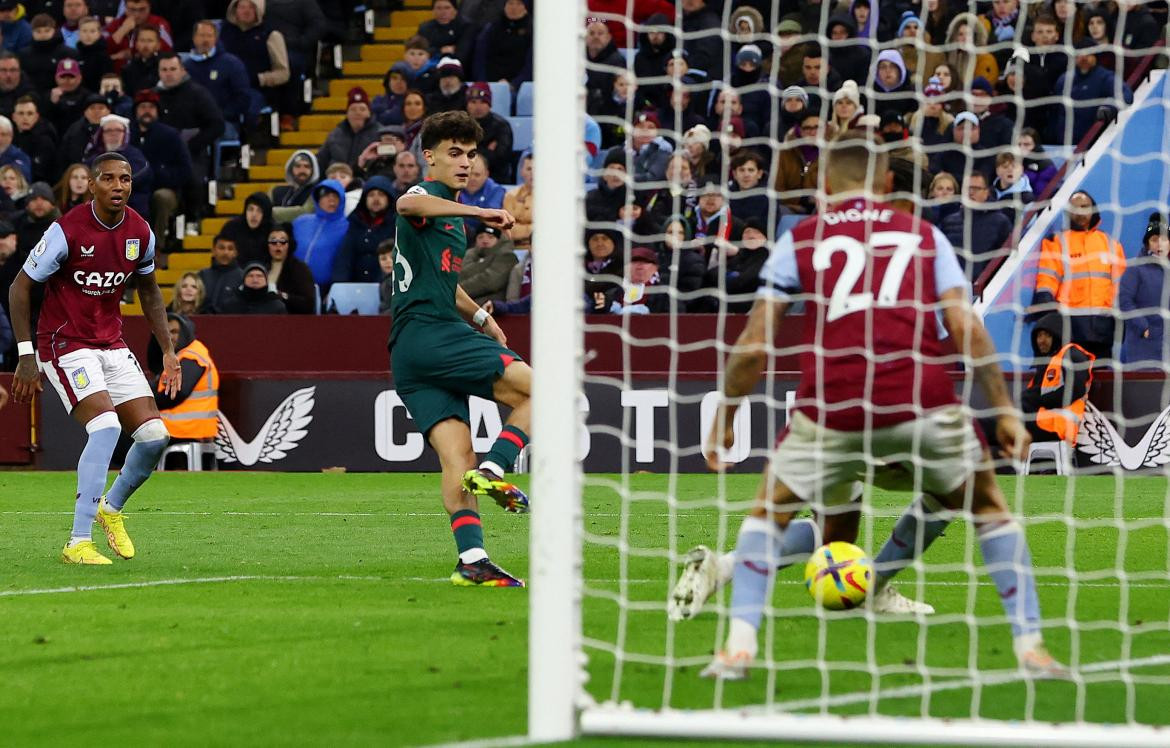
x: 17, y: 33
x: 224, y: 75
x: 370, y: 224
x: 161, y: 144
x: 10, y: 154
x: 1142, y: 294
x: 319, y: 234
x: 387, y: 108
x: 482, y: 191
x: 1091, y: 84
x: 977, y: 230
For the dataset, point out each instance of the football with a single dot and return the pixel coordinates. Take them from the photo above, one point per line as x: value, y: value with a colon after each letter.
x: 837, y: 575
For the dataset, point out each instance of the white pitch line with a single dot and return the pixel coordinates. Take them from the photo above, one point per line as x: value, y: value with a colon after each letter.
x: 193, y: 580
x: 994, y: 678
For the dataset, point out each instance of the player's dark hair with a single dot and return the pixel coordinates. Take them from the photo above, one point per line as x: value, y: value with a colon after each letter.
x: 457, y: 126
x: 106, y: 157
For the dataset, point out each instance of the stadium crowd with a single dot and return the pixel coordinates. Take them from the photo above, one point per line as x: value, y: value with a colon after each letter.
x: 703, y: 146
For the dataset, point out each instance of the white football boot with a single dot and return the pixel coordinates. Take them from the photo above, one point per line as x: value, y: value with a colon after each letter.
x: 699, y: 580
x: 728, y: 666
x: 889, y: 601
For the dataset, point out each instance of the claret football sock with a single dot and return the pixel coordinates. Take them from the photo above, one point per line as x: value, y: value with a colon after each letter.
x: 92, y: 468
x: 1008, y: 560
x: 150, y: 439
x: 468, y: 530
x: 505, y: 450
x: 757, y: 552
x: 926, y: 516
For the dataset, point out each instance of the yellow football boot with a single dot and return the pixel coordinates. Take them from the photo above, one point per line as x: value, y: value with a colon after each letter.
x: 115, y: 529
x: 84, y: 552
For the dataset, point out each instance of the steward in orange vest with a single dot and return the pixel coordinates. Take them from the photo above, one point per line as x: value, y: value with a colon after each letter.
x: 192, y: 413
x: 1079, y: 271
x: 1060, y: 381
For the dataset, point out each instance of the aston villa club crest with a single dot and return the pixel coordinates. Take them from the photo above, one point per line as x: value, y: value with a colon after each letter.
x: 80, y: 378
x: 132, y: 250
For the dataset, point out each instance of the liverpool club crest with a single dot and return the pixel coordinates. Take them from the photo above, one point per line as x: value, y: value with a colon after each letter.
x: 132, y: 249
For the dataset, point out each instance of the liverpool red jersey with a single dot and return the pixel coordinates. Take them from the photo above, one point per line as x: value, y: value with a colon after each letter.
x: 871, y: 277
x: 84, y: 265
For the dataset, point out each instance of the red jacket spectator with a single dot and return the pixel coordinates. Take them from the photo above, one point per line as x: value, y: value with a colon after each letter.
x: 120, y: 32
x: 643, y: 9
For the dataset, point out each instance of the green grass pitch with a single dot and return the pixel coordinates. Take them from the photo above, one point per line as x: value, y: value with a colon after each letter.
x: 292, y: 609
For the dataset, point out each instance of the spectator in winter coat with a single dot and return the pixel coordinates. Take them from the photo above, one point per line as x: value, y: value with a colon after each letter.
x: 319, y: 235
x: 1136, y: 32
x: 223, y: 75
x: 641, y: 11
x: 748, y: 189
x: 73, y: 12
x: 518, y: 202
x: 222, y: 276
x: 39, y: 213
x: 9, y: 153
x: 449, y: 94
x: 1092, y: 88
x: 121, y: 32
x: 893, y: 91
x: 80, y: 134
x: 262, y: 49
x: 300, y: 175
x: 13, y: 83
x: 39, y: 60
x: 1011, y: 188
x: 68, y: 97
x: 169, y: 158
x: 386, y: 285
x: 15, y: 30
x: 141, y: 70
x: 189, y: 108
x: 655, y: 49
x: 496, y: 145
x: 249, y: 231
x: 978, y: 230
x: 487, y: 266
x: 506, y: 46
x: 968, y: 35
x: 680, y: 264
x: 370, y: 224
x: 704, y: 51
x: 995, y: 130
x: 818, y: 78
x: 253, y: 295
x: 1046, y: 401
x: 482, y: 191
x: 302, y: 24
x: 965, y: 130
x: 611, y: 193
x: 448, y: 34
x: 36, y: 138
x: 291, y: 278
x: 347, y: 141
x: 797, y: 165
x: 91, y: 53
x: 1037, y: 166
x: 387, y: 108
x: 406, y: 174
x: 649, y: 151
x: 600, y: 50
x: 1046, y: 60
x: 113, y: 135
x: 742, y: 276
x: 1142, y: 298
x: 847, y: 55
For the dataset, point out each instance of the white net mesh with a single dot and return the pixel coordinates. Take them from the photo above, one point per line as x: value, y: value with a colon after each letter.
x: 712, y: 129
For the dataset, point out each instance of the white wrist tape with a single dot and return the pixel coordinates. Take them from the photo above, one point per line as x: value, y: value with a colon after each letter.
x: 25, y: 348
x: 480, y: 317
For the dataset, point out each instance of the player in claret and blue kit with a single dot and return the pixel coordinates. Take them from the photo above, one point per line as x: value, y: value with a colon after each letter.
x: 439, y: 359
x: 85, y: 260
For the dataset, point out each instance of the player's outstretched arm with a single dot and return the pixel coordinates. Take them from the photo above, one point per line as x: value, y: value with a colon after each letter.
x: 974, y: 344
x: 27, y: 380
x: 743, y: 370
x: 422, y: 205
x: 155, y: 312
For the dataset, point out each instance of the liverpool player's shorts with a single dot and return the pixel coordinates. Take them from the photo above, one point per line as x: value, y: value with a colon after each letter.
x: 79, y: 374
x: 934, y: 454
x: 438, y: 365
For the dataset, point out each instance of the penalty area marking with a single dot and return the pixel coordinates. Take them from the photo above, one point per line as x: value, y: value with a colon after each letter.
x: 192, y: 580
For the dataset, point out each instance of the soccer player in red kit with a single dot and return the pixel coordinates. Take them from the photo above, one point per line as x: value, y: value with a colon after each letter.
x: 875, y: 391
x: 85, y: 259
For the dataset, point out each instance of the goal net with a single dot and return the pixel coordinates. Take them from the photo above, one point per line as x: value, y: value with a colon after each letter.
x: 673, y: 152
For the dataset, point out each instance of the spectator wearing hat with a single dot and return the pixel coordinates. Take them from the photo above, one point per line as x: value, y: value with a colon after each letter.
x: 788, y: 52
x: 604, y: 202
x: 253, y: 295
x: 643, y: 291
x: 704, y: 50
x: 141, y: 70
x: 223, y: 75
x: 482, y: 191
x: 696, y: 147
x: 387, y: 107
x: 68, y: 98
x: 263, y: 51
x: 1039, y: 168
x: 13, y: 83
x: 739, y: 276
x: 80, y: 132
x: 892, y: 127
x: 964, y: 131
x: 797, y: 165
x: 817, y: 77
x: 301, y: 173
x: 35, y: 137
x: 447, y: 33
x: 1087, y: 85
x: 449, y: 95
x: 249, y: 230
x: 604, y: 61
x: 931, y: 122
x: 496, y: 145
x: 848, y: 55
x: 370, y: 224
x: 892, y: 90
x: 995, y: 129
x: 39, y: 60
x: 794, y: 105
x: 1014, y: 85
x: 846, y: 107
x: 113, y: 135
x: 1142, y: 297
x: 11, y: 154
x: 40, y: 210
x: 518, y: 202
x: 649, y: 151
x: 121, y: 32
x: 503, y: 50
x: 170, y: 160
x: 964, y: 32
x: 91, y: 52
x: 913, y: 43
x: 319, y: 234
x: 603, y: 269
x: 488, y: 265
x: 978, y: 229
x: 351, y: 136
x: 712, y: 220
x: 655, y: 49
x: 291, y: 278
x: 727, y: 106
x: 1099, y: 29
x: 15, y: 29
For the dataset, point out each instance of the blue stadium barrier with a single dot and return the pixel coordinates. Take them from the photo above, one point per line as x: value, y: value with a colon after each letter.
x: 521, y: 132
x: 524, y: 100
x: 348, y: 298
x: 501, y: 98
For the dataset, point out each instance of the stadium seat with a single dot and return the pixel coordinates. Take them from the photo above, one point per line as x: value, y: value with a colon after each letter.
x: 193, y: 452
x: 1058, y: 452
x: 521, y: 133
x: 501, y: 98
x: 348, y: 298
x: 524, y: 100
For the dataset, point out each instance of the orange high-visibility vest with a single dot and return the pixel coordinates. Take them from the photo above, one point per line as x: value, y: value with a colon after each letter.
x: 1081, y: 269
x: 195, y: 417
x: 1064, y: 422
